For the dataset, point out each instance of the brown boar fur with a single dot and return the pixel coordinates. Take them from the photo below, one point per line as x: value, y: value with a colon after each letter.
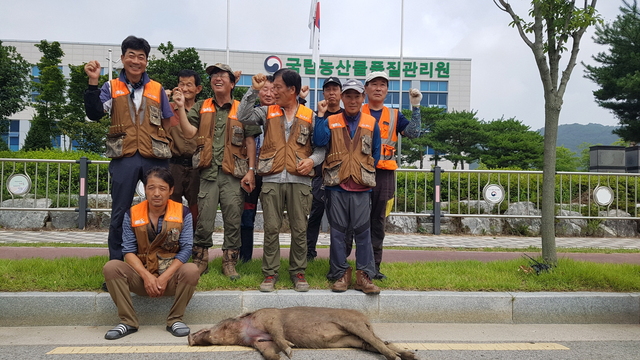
x: 271, y: 331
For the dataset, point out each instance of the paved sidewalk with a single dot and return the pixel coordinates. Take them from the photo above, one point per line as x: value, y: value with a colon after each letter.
x: 408, y: 240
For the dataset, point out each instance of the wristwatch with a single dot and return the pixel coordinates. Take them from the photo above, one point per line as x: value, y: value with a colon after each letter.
x: 252, y: 169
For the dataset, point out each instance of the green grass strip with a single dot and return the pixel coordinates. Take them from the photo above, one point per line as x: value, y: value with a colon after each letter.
x: 76, y: 274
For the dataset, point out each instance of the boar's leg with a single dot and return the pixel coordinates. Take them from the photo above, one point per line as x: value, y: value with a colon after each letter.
x: 370, y: 341
x: 403, y: 354
x: 268, y: 349
x: 275, y: 329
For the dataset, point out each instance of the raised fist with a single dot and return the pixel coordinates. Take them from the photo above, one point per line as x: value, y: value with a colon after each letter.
x: 415, y: 96
x: 178, y: 97
x: 258, y: 81
x: 92, y: 69
x: 323, y: 105
x: 304, y: 92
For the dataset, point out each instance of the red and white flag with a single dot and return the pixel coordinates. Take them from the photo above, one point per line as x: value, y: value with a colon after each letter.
x: 314, y: 26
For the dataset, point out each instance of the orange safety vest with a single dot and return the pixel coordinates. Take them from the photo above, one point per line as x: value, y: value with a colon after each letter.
x: 388, y: 136
x: 350, y: 158
x: 134, y: 129
x: 235, y: 160
x: 277, y: 153
x: 157, y: 252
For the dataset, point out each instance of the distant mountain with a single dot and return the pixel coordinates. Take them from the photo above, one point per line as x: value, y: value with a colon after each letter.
x: 572, y: 135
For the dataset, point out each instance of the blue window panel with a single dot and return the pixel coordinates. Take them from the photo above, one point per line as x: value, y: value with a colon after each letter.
x: 406, y: 103
x: 394, y: 85
x: 433, y: 86
x: 392, y: 99
x: 443, y: 86
x: 311, y: 99
x: 14, y: 143
x: 442, y: 99
x: 35, y: 71
x: 14, y: 126
x: 424, y: 85
x: 406, y: 85
x: 245, y: 80
x: 433, y: 99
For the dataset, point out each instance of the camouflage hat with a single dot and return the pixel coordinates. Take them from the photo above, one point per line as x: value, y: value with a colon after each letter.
x: 224, y: 67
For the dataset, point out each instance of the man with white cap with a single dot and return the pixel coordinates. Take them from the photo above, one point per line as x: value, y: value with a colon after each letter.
x: 392, y: 123
x: 225, y: 155
x: 353, y: 149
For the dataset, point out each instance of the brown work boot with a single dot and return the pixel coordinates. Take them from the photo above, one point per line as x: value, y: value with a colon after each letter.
x: 300, y: 284
x: 269, y: 283
x: 364, y: 284
x: 200, y: 257
x: 342, y: 284
x: 229, y: 261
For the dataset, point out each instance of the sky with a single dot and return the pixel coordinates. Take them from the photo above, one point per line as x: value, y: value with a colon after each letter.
x: 504, y: 78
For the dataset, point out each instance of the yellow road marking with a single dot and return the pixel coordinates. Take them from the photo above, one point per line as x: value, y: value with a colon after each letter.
x: 68, y: 350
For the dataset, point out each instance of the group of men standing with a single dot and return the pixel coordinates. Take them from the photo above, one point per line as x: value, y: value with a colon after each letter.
x: 340, y: 160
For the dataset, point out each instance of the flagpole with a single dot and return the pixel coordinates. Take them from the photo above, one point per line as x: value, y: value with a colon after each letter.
x: 228, y: 13
x: 400, y: 68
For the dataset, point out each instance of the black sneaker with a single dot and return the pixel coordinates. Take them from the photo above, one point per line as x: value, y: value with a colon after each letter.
x: 179, y: 329
x: 121, y: 330
x: 380, y: 276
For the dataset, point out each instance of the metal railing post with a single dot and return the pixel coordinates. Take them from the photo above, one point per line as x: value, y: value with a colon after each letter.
x: 436, y: 200
x: 82, y: 198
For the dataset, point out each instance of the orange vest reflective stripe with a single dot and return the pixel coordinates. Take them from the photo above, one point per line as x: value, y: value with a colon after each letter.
x: 235, y: 160
x: 350, y: 157
x: 277, y: 153
x: 134, y: 130
x: 388, y: 136
x: 165, y: 245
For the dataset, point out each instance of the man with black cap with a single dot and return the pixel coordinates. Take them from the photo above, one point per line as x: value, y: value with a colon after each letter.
x: 226, y: 158
x: 331, y: 90
x: 349, y: 173
x: 392, y: 123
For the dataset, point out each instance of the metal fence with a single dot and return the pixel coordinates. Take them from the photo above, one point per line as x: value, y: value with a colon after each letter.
x: 84, y: 185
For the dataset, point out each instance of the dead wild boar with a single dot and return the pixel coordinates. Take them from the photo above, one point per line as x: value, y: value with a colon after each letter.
x: 272, y: 331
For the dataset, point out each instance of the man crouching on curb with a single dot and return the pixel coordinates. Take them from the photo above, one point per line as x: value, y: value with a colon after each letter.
x: 157, y: 237
x: 349, y: 173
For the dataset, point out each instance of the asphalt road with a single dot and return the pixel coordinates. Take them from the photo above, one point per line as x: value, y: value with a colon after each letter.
x: 435, y: 341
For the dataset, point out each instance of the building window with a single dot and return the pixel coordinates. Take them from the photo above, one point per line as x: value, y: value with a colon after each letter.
x: 14, y: 143
x: 14, y: 126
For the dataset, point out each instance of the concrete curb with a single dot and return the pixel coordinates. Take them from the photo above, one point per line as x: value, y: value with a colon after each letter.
x: 97, y: 309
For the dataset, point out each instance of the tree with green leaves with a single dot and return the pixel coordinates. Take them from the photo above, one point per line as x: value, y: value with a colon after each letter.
x: 617, y: 76
x: 510, y: 144
x: 15, y: 86
x: 456, y: 136
x: 165, y: 70
x: 50, y: 105
x: 553, y: 24
x: 413, y: 150
x: 566, y: 160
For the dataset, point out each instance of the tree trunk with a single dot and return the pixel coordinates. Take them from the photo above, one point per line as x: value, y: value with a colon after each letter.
x: 547, y: 229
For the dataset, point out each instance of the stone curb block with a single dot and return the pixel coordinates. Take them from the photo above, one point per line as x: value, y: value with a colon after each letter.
x: 97, y: 309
